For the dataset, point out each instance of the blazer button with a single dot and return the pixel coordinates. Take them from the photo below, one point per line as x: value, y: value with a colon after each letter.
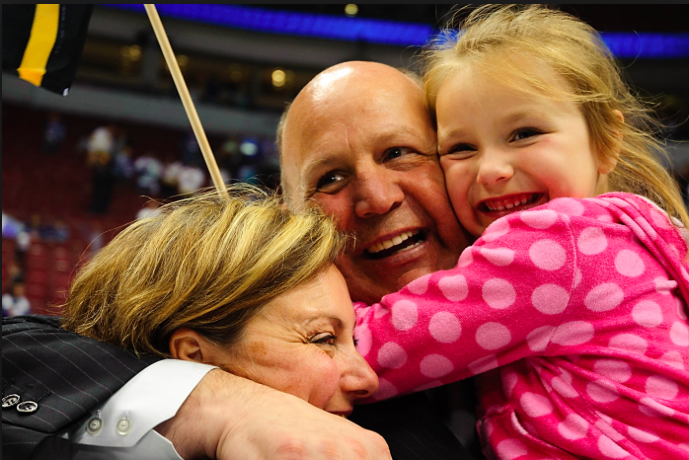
x: 94, y: 425
x: 27, y: 407
x: 124, y: 426
x: 10, y: 400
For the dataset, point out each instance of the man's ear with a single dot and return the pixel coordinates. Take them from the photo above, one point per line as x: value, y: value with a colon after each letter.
x: 189, y: 345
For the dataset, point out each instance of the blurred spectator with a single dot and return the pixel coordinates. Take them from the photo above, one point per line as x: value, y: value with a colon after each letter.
x: 22, y: 247
x: 191, y: 178
x: 54, y: 133
x: 170, y: 179
x: 34, y: 227
x: 14, y: 273
x: 191, y: 153
x: 99, y: 159
x: 11, y: 226
x: 57, y: 232
x: 229, y: 156
x: 123, y: 167
x: 14, y: 302
x: 149, y: 169
x: 151, y: 207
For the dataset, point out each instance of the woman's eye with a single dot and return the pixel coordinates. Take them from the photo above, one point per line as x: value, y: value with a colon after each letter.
x: 524, y: 133
x: 325, y: 338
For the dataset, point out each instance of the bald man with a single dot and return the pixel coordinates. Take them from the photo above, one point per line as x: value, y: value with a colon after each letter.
x: 358, y: 142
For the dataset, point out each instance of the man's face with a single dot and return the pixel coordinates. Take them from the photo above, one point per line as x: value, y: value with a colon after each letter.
x: 358, y: 142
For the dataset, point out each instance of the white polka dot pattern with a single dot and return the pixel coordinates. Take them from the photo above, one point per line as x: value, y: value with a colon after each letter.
x: 547, y: 255
x: 573, y: 427
x: 454, y: 288
x: 604, y: 297
x: 499, y: 293
x: 539, y: 219
x: 679, y: 334
x: 628, y: 263
x: 550, y: 299
x: 392, y: 355
x: 498, y: 256
x: 592, y: 241
x: 510, y: 449
x: 445, y: 327
x: 647, y: 313
x: 535, y: 405
x: 610, y: 448
x: 491, y: 336
x: 419, y: 286
x: 575, y: 314
x: 435, y: 366
x: 404, y: 315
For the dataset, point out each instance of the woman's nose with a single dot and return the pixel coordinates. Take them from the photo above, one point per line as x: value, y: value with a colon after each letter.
x: 357, y: 378
x: 494, y: 167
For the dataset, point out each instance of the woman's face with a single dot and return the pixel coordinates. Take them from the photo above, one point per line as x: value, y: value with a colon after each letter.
x: 302, y: 344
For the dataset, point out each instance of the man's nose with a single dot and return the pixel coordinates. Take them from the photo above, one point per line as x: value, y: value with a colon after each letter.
x: 494, y: 167
x: 377, y: 192
x: 357, y: 379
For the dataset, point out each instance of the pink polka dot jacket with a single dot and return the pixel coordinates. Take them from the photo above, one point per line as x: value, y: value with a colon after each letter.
x: 573, y: 315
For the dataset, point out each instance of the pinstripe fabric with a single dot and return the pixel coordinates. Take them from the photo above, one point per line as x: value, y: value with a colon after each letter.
x: 412, y: 429
x: 79, y: 373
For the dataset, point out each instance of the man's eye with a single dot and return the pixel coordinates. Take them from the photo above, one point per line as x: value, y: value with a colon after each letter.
x: 324, y: 338
x: 329, y: 182
x: 524, y: 133
x: 396, y: 152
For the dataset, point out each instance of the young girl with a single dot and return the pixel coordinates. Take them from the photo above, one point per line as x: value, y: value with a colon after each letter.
x: 571, y: 306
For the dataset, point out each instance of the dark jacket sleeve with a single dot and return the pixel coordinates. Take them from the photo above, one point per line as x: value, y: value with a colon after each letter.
x: 66, y: 374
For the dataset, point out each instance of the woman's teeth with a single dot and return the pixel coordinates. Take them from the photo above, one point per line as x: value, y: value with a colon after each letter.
x: 511, y: 202
x: 399, y: 239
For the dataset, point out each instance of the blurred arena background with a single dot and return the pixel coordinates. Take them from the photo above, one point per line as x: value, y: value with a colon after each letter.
x: 63, y: 199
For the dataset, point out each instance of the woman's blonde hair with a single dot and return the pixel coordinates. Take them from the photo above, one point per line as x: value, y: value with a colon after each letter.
x: 493, y: 38
x: 203, y: 263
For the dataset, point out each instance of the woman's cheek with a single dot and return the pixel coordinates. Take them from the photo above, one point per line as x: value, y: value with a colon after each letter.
x: 323, y: 379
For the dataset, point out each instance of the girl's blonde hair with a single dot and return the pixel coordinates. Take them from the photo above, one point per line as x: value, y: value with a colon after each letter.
x: 203, y: 263
x: 492, y: 39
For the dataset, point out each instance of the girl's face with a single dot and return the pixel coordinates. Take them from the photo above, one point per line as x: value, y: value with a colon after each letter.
x: 503, y: 150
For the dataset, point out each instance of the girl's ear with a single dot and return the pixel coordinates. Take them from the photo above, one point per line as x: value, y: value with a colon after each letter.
x: 189, y: 345
x: 610, y: 162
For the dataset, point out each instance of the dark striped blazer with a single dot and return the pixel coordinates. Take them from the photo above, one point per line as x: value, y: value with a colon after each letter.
x: 74, y: 374
x: 70, y: 374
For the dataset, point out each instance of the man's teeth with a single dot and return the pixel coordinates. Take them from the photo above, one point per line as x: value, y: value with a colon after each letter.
x: 390, y: 243
x: 509, y: 203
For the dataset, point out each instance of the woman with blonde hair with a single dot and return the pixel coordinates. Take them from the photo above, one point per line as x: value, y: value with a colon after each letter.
x: 242, y: 284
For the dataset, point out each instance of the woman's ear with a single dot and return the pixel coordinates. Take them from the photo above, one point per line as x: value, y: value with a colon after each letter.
x: 189, y: 345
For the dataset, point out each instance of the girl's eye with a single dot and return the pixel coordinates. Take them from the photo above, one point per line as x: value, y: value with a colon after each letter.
x: 524, y: 133
x: 324, y: 338
x: 460, y: 151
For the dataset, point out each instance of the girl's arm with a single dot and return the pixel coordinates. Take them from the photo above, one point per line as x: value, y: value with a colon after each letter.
x: 502, y: 302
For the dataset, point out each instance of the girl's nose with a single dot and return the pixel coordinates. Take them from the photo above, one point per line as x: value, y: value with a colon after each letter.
x: 494, y: 168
